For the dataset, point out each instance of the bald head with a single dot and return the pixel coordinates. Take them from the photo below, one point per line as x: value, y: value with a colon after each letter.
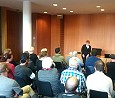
x: 71, y: 84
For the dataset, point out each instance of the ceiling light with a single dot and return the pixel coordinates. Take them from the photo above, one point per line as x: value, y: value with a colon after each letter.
x: 102, y: 10
x: 59, y: 15
x: 71, y: 11
x: 55, y: 5
x: 64, y: 8
x: 45, y: 12
x: 98, y: 6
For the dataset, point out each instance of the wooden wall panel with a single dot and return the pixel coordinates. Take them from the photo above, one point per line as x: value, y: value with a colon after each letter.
x: 62, y: 35
x: 4, y: 27
x: 34, y: 40
x: 55, y: 33
x: 98, y: 28
x: 71, y: 33
x: 43, y: 32
x: 14, y: 33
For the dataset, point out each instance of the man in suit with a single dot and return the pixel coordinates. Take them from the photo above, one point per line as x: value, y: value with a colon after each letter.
x: 85, y: 51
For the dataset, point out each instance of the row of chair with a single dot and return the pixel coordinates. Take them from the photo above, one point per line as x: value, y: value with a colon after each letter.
x: 48, y: 92
x: 44, y: 89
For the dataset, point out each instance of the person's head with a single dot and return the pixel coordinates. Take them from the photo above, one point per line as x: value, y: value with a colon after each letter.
x: 44, y: 50
x: 8, y: 57
x: 73, y: 62
x: 71, y: 84
x: 99, y: 65
x: 3, y: 68
x: 74, y: 53
x: 8, y: 50
x: 70, y: 53
x: 47, y: 62
x: 43, y: 54
x: 31, y: 50
x: 57, y: 50
x: 87, y: 42
x: 94, y: 52
x: 112, y: 56
x: 24, y: 58
x: 26, y: 52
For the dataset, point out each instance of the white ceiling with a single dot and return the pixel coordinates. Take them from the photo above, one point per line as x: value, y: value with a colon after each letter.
x: 78, y: 6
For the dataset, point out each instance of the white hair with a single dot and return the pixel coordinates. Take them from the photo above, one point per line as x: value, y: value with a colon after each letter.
x: 75, y: 53
x: 31, y: 50
x: 47, y: 62
x: 73, y: 62
x: 70, y: 53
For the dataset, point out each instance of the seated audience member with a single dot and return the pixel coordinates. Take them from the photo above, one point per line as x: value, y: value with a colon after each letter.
x: 49, y: 74
x: 58, y: 57
x: 42, y: 55
x: 7, y: 58
x: 99, y: 81
x: 111, y: 67
x: 72, y: 71
x: 30, y: 63
x: 80, y: 63
x: 70, y: 88
x: 33, y: 56
x: 68, y: 57
x: 10, y: 88
x: 23, y: 71
x: 90, y: 61
x: 9, y: 51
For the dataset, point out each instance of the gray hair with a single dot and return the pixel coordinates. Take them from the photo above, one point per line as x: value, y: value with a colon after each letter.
x: 74, y: 53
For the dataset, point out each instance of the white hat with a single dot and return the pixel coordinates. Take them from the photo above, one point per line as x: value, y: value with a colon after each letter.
x: 44, y: 49
x: 47, y: 62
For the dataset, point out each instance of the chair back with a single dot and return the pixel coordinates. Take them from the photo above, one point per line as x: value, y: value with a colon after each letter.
x: 62, y: 88
x: 111, y: 72
x: 38, y: 64
x: 44, y: 88
x: 20, y: 81
x: 2, y: 97
x: 98, y: 94
x: 58, y: 65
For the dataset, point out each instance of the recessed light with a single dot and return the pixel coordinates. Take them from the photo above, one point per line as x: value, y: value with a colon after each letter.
x: 98, y: 6
x: 45, y: 12
x: 71, y: 11
x: 102, y: 10
x: 59, y: 15
x: 55, y: 5
x: 64, y: 8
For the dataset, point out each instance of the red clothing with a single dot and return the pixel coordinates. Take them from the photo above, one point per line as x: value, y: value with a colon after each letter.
x: 11, y: 72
